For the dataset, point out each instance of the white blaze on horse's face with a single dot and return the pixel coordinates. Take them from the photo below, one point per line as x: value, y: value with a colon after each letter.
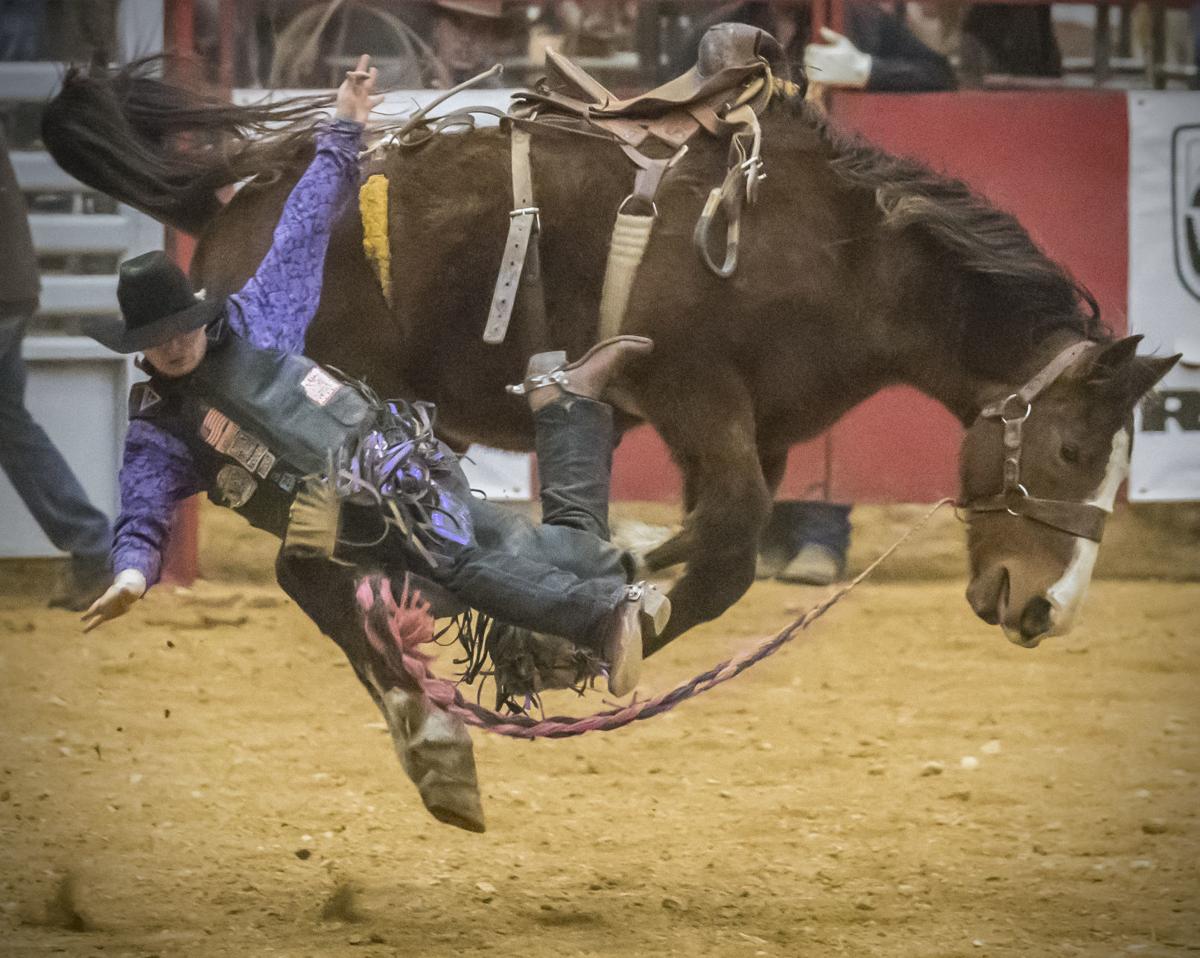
x: 1067, y: 594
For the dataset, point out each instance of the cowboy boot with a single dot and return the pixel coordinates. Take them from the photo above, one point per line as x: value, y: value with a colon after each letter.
x: 642, y: 609
x: 814, y: 564
x: 441, y: 760
x: 85, y: 580
x: 435, y: 751
x: 588, y: 376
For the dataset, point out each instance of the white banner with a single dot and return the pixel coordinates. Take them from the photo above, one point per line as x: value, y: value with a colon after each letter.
x: 1164, y: 289
x: 499, y: 474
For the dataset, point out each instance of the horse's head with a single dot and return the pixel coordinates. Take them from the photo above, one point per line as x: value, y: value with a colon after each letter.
x: 1040, y: 469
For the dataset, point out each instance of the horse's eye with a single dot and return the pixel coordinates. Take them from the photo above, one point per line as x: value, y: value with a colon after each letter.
x: 1070, y: 452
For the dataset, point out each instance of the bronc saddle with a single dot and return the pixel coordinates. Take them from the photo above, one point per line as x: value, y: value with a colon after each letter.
x: 738, y: 70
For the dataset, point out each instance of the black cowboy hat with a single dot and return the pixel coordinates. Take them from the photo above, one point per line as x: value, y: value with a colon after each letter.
x: 157, y: 303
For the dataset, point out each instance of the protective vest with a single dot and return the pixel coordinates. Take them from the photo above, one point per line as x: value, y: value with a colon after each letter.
x: 258, y: 423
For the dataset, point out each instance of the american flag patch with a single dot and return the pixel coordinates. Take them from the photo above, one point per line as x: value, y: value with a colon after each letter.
x: 230, y: 439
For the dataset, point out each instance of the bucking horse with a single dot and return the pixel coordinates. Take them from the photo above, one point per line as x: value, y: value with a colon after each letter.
x: 856, y: 270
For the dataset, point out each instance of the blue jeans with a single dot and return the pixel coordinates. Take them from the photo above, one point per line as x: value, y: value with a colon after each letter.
x: 22, y: 23
x: 561, y: 576
x: 795, y: 524
x: 36, y: 469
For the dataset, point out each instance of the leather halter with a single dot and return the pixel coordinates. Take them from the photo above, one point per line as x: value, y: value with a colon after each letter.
x: 1081, y: 519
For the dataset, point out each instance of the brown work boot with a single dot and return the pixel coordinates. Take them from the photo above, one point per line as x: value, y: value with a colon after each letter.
x: 643, y: 609
x: 588, y: 376
x: 85, y: 580
x: 813, y: 565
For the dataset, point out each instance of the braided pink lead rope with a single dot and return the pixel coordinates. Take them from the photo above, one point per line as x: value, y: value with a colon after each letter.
x: 409, y: 625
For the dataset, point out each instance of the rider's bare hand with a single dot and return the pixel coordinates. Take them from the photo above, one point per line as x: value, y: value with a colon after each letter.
x: 127, y: 588
x: 355, y: 97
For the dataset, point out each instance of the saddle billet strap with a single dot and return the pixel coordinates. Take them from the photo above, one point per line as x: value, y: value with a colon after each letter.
x: 520, y: 252
x: 650, y: 173
x: 1081, y: 519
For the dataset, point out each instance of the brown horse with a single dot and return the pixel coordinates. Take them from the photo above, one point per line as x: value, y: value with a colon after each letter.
x: 858, y: 270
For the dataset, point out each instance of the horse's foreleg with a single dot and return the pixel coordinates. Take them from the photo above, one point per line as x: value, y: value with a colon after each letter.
x: 711, y: 433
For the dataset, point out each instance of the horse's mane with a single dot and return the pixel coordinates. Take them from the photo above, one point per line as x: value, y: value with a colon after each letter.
x: 166, y: 147
x: 1023, y: 288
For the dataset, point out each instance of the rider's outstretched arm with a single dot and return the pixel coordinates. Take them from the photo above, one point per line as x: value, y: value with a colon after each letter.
x: 157, y: 472
x: 274, y: 308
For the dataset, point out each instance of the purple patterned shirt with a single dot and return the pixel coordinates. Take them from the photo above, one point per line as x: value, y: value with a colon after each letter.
x: 272, y: 311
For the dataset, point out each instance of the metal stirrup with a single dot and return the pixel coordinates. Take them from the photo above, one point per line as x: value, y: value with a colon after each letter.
x: 556, y: 378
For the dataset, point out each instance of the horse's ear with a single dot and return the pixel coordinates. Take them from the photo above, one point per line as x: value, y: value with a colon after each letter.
x: 1109, y: 360
x: 1147, y: 370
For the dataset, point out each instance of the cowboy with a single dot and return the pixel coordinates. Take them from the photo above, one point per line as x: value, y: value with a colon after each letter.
x: 233, y: 408
x: 351, y: 483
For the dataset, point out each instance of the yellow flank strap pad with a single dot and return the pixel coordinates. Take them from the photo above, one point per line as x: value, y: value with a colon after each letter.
x: 373, y: 205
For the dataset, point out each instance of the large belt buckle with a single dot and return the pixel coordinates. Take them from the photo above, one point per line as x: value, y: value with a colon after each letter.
x: 235, y: 486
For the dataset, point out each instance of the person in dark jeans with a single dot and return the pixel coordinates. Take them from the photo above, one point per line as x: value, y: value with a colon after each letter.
x: 36, y: 469
x: 22, y: 26
x: 805, y: 542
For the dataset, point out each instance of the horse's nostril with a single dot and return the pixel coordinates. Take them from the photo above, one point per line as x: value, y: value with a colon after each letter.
x: 986, y: 594
x: 1035, y: 619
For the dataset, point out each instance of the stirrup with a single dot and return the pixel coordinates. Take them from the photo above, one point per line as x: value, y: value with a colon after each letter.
x: 538, y: 376
x: 556, y: 378
x: 543, y: 369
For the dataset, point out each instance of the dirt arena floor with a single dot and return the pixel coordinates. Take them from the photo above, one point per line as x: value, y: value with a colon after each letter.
x: 207, y: 778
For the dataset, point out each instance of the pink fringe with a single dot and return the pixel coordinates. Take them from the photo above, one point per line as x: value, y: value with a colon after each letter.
x: 409, y: 626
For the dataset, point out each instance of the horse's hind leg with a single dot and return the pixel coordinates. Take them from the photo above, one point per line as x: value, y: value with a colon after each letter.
x: 711, y: 433
x: 679, y: 547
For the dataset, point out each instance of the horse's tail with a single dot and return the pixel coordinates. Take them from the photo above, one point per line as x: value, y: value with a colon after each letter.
x: 165, y: 149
